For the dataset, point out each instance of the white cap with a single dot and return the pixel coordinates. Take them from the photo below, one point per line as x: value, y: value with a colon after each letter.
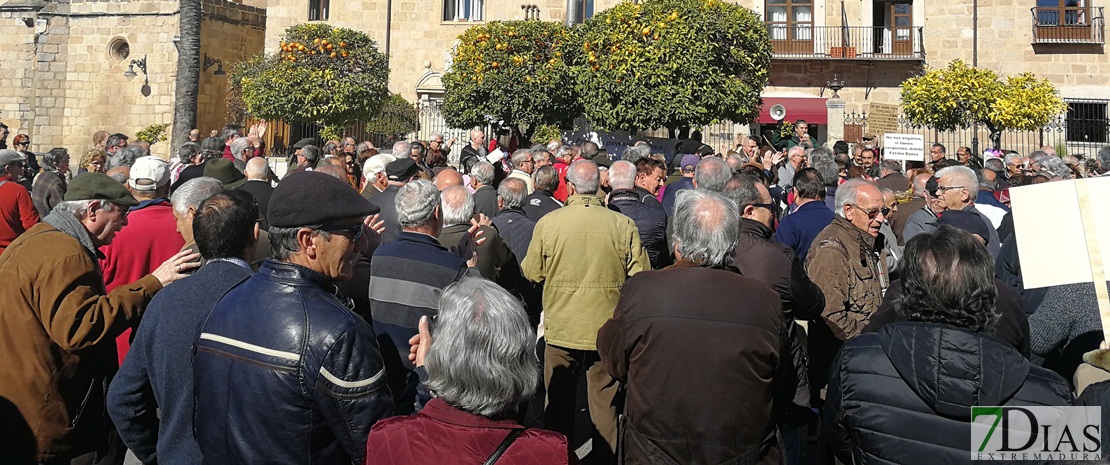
x: 150, y: 168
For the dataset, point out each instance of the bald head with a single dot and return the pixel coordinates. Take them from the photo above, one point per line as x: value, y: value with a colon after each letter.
x: 457, y: 204
x: 339, y: 172
x: 919, y: 182
x: 257, y: 169
x: 584, y: 177
x: 336, y: 161
x: 448, y: 178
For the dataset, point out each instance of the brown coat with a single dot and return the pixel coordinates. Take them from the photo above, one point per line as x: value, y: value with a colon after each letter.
x: 57, y: 345
x: 842, y: 262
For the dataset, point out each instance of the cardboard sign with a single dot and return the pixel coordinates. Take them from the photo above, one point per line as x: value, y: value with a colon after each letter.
x: 882, y: 118
x: 1062, y: 237
x: 908, y: 147
x: 614, y: 143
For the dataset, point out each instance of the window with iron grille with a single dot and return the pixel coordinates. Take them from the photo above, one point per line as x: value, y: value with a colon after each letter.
x: 318, y: 10
x: 1087, y: 122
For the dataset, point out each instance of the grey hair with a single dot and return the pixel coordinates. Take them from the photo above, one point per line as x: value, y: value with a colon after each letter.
x: 519, y: 156
x: 995, y: 164
x: 735, y: 161
x: 78, y: 208
x: 962, y: 176
x: 188, y: 151
x: 256, y: 169
x: 622, y: 175
x: 821, y: 153
x: 636, y: 152
x: 1036, y: 156
x: 125, y: 156
x: 741, y: 190
x: 541, y: 154
x: 311, y: 154
x: 585, y: 177
x: 564, y: 150
x: 553, y: 145
x: 50, y: 159
x: 193, y: 193
x: 512, y: 191
x: 546, y: 178
x: 376, y: 164
x: 891, y: 165
x: 830, y: 173
x: 238, y: 146
x: 848, y: 193
x: 1055, y: 168
x: 1012, y: 157
x: 706, y: 226
x: 284, y: 243
x: 483, y: 173
x: 457, y: 205
x: 1103, y: 157
x: 416, y: 203
x: 483, y: 360
x: 711, y: 174
x: 984, y: 183
x: 402, y: 148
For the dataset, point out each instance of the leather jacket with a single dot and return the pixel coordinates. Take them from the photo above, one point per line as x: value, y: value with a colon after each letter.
x: 285, y: 373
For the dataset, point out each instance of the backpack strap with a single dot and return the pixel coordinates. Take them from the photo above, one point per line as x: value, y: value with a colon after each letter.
x: 504, y: 446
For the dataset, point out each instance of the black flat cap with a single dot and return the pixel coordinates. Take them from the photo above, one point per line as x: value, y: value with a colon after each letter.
x: 98, y: 186
x: 304, y: 143
x: 401, y: 169
x: 310, y: 198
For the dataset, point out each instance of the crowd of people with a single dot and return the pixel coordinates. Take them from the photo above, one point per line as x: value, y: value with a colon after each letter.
x: 554, y: 303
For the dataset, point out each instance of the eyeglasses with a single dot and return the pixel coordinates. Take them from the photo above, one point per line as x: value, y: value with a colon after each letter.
x: 354, y: 231
x: 769, y: 206
x: 942, y: 189
x: 871, y: 214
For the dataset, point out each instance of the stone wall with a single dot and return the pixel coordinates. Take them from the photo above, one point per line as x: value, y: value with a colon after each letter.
x: 230, y: 32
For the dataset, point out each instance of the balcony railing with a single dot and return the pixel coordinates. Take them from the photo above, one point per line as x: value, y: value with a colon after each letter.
x: 1068, y: 25
x: 802, y: 41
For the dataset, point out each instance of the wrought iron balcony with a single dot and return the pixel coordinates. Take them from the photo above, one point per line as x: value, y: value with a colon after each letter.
x: 802, y: 41
x: 1068, y: 25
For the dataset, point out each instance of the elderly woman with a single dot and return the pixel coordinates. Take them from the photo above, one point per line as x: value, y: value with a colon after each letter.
x: 93, y: 161
x: 481, y: 365
x: 50, y: 186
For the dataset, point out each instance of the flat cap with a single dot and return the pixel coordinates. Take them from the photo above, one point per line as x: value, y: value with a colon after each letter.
x: 401, y: 169
x: 98, y: 186
x: 311, y: 198
x: 8, y: 157
x: 304, y: 143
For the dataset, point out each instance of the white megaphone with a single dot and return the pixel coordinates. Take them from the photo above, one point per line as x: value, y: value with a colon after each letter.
x: 778, y: 112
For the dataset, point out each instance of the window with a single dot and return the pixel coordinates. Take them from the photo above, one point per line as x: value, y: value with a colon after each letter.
x: 581, y: 10
x: 1062, y: 13
x: 790, y: 23
x: 463, y: 10
x: 1087, y: 122
x: 318, y: 10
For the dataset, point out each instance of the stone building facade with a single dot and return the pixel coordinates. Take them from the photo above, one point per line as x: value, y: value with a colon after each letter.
x: 65, y: 63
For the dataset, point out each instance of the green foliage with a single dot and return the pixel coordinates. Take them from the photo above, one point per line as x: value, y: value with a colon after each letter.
x: 513, y: 71
x: 546, y: 133
x: 325, y: 75
x: 786, y: 129
x: 398, y: 117
x: 670, y: 63
x: 959, y: 96
x: 153, y: 134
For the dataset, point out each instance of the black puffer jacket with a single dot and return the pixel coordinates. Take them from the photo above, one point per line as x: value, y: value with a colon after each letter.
x: 904, y: 395
x: 650, y: 219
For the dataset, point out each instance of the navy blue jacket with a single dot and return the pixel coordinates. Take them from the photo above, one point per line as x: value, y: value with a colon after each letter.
x: 386, y: 201
x: 285, y: 373
x: 673, y: 188
x: 151, y: 398
x: 797, y: 230
x: 650, y: 219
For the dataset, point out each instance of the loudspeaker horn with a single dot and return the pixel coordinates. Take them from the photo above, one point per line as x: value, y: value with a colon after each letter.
x: 778, y: 112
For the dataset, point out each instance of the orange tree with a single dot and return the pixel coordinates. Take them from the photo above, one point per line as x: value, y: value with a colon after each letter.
x: 510, y: 71
x: 670, y: 63
x: 324, y: 75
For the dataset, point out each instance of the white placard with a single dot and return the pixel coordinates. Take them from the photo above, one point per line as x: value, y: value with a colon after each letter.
x: 1050, y: 230
x: 908, y: 147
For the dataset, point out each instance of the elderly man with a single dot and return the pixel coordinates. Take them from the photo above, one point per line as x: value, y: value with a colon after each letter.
x: 373, y: 173
x: 564, y: 156
x: 798, y: 229
x: 1015, y: 166
x: 795, y: 160
x: 186, y: 200
x: 800, y: 137
x: 523, y: 166
x: 631, y: 198
x: 924, y: 219
x: 457, y: 205
x: 687, y: 166
x: 711, y: 174
x: 582, y: 242
x: 542, y: 201
x: 474, y: 151
x: 937, y: 153
x: 849, y: 266
x: 407, y: 276
x: 149, y: 237
x: 485, y: 195
x: 701, y: 414
x: 115, y: 143
x: 58, y: 325
x: 307, y: 158
x: 957, y: 187
x: 17, y: 212
x: 515, y: 229
x: 258, y: 185
x: 891, y: 177
x: 985, y: 202
x: 304, y: 351
x: 151, y: 399
x: 447, y: 178
x: 399, y: 172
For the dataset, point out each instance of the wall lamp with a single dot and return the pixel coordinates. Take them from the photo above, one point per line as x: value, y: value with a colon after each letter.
x: 209, y: 61
x: 130, y: 73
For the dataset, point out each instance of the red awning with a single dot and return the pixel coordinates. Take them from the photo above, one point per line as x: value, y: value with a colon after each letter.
x: 811, y: 109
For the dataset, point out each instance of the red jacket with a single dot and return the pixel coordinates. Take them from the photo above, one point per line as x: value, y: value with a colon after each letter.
x: 149, y: 239
x: 561, y: 193
x: 444, y: 434
x: 17, y: 212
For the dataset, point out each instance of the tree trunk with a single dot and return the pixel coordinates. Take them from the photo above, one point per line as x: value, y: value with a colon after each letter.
x: 188, y: 74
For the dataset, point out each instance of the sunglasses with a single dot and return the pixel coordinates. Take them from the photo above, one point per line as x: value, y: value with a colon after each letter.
x: 355, y: 231
x: 871, y: 214
x: 769, y: 206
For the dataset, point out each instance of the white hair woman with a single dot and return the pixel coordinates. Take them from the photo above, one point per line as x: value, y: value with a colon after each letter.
x: 480, y: 367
